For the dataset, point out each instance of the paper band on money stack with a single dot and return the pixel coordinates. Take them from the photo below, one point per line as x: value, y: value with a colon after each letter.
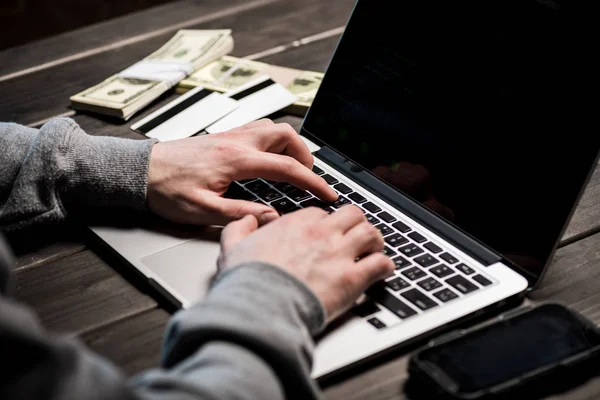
x: 127, y: 92
x: 228, y: 73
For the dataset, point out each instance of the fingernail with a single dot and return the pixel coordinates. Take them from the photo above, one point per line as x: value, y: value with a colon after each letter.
x: 267, y: 217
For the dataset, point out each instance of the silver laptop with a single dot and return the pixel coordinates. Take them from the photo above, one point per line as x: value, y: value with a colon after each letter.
x: 460, y: 131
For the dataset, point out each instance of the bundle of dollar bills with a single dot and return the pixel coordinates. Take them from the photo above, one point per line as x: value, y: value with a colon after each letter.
x: 127, y: 92
x: 229, y: 73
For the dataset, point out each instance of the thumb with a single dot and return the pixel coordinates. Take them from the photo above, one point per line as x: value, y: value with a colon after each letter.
x: 224, y: 210
x: 372, y: 268
x: 236, y: 231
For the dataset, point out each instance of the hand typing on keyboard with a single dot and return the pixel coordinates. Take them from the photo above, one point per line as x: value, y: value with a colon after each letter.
x: 187, y: 178
x: 320, y: 250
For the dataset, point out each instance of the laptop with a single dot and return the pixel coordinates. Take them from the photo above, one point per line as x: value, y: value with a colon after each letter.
x: 462, y: 130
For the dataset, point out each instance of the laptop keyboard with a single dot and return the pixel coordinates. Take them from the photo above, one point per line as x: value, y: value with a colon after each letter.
x: 426, y: 276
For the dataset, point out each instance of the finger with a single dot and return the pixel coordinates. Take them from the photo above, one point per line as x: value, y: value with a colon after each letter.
x: 345, y: 218
x: 224, y: 210
x: 370, y: 269
x: 283, y: 169
x: 363, y: 239
x: 282, y: 139
x: 254, y: 124
x: 236, y: 231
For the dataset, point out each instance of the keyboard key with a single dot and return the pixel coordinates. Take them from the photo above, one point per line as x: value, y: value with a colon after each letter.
x: 483, y: 281
x: 461, y: 284
x: 357, y: 198
x: 395, y: 240
x: 391, y: 302
x: 445, y: 295
x: 376, y: 323
x: 283, y: 204
x: 341, y: 201
x: 236, y: 191
x: 299, y: 195
x: 371, y: 207
x: 365, y: 309
x: 417, y: 237
x: 384, y: 229
x: 441, y: 271
x: 419, y: 299
x: 257, y: 186
x: 387, y: 217
x: 413, y: 273
x: 329, y: 179
x: 426, y: 260
x: 397, y: 284
x: 388, y: 252
x: 269, y: 195
x: 465, y: 269
x: 410, y: 250
x: 313, y: 202
x: 343, y: 189
x: 285, y: 187
x: 449, y: 258
x: 317, y: 170
x: 234, y: 188
x: 401, y: 262
x: 432, y: 247
x: 372, y: 219
x: 401, y: 226
x: 429, y: 284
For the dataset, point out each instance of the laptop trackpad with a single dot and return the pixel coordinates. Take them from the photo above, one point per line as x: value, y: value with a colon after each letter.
x: 185, y: 270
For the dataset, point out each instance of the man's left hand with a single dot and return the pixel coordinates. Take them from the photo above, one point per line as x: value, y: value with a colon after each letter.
x: 188, y: 177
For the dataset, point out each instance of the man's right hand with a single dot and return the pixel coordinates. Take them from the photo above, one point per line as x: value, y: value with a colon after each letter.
x: 318, y: 249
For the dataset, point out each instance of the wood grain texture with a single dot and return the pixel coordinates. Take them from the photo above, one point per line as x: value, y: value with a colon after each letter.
x: 586, y: 219
x: 113, y: 31
x: 134, y: 344
x: 38, y: 245
x: 46, y: 93
x: 78, y: 293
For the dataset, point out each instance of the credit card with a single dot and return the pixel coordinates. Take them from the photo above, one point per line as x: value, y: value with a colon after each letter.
x: 257, y: 99
x: 187, y: 115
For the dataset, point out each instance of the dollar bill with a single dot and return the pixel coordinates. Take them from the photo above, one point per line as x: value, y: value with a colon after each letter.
x: 228, y: 73
x: 124, y: 94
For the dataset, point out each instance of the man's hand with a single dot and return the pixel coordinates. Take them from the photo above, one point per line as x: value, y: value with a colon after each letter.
x: 188, y: 177
x: 316, y: 248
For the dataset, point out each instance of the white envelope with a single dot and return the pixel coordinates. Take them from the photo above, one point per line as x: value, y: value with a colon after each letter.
x: 186, y: 116
x: 256, y: 99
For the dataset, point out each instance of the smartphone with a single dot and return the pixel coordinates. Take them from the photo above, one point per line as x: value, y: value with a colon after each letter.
x: 519, y: 350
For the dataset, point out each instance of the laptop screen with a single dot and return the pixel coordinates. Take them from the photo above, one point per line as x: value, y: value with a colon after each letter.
x: 479, y: 110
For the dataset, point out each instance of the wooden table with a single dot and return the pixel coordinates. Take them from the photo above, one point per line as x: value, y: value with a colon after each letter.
x: 83, y: 292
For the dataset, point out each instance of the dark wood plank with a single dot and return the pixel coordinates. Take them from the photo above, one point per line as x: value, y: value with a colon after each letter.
x: 98, y: 37
x: 133, y: 344
x: 41, y: 244
x: 46, y: 93
x: 586, y: 219
x: 78, y: 293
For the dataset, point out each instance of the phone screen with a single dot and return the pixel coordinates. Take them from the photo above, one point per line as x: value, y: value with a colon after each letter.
x: 510, y: 348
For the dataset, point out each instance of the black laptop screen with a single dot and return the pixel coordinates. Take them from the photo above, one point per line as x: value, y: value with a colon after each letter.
x: 480, y: 110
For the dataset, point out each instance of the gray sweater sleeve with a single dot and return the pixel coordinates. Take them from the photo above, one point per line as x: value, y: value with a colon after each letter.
x: 46, y: 172
x: 249, y: 339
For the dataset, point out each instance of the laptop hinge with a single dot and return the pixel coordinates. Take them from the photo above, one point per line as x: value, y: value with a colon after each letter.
x: 408, y: 206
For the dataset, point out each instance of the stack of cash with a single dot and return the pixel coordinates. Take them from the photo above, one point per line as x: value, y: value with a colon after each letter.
x: 228, y: 73
x: 127, y: 92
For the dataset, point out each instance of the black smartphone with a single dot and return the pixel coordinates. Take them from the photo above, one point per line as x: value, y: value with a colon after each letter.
x: 518, y: 351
